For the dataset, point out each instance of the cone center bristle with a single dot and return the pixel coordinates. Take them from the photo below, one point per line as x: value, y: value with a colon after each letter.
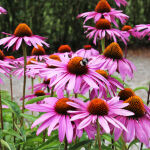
x: 62, y: 107
x: 126, y: 93
x: 77, y: 66
x: 39, y: 93
x: 98, y: 107
x: 64, y: 49
x: 103, y: 24
x: 102, y: 7
x: 135, y: 105
x: 113, y: 51
x: 22, y: 30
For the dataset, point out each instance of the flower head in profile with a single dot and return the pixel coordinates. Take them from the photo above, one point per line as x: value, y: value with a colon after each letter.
x: 71, y: 73
x: 55, y: 116
x: 87, y: 52
x: 38, y: 53
x: 143, y: 30
x: 121, y: 2
x: 21, y: 34
x: 126, y: 93
x: 104, y: 10
x: 101, y: 110
x: 112, y: 60
x: 3, y: 11
x: 103, y: 28
x: 36, y: 94
x: 131, y: 31
x: 103, y: 90
x: 42, y: 86
x: 138, y: 125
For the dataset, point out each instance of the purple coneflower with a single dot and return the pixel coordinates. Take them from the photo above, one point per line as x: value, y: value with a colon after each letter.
x: 138, y: 125
x: 3, y: 11
x: 103, y: 90
x: 72, y: 72
x: 126, y: 93
x: 103, y: 27
x: 103, y: 9
x: 36, y: 94
x: 55, y: 117
x: 38, y: 53
x: 112, y: 60
x: 101, y: 110
x: 22, y: 32
x: 87, y: 52
x: 129, y: 30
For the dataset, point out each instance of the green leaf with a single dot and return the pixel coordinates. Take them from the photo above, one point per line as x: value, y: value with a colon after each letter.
x: 37, y: 99
x: 141, y: 88
x: 45, y: 145
x: 4, y: 143
x: 12, y: 133
x: 29, y: 117
x: 13, y: 106
x: 80, y: 144
x: 133, y: 143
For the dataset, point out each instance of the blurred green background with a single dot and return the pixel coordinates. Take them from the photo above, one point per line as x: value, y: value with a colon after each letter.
x: 56, y: 19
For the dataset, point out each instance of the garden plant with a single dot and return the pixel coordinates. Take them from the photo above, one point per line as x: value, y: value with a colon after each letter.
x: 82, y: 100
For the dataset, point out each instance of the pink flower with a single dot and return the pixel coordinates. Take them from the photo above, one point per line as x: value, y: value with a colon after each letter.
x: 42, y: 86
x: 103, y: 90
x: 55, y: 117
x: 70, y: 73
x: 112, y: 60
x: 38, y: 53
x: 143, y: 30
x: 3, y: 11
x: 103, y: 27
x: 19, y: 70
x: 22, y: 32
x: 138, y: 125
x: 104, y: 111
x: 123, y: 2
x: 103, y: 9
x: 129, y: 30
x: 87, y: 52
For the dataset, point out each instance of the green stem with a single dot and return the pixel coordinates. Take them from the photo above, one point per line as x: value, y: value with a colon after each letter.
x: 124, y: 144
x: 76, y: 95
x: 52, y: 91
x: 103, y: 44
x: 32, y: 83
x: 24, y: 80
x: 66, y: 144
x: 1, y: 113
x: 11, y: 93
x: 98, y: 135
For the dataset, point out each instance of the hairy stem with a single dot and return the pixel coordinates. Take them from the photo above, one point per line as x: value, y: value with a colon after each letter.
x: 98, y: 135
x: 24, y: 79
x: 11, y: 93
